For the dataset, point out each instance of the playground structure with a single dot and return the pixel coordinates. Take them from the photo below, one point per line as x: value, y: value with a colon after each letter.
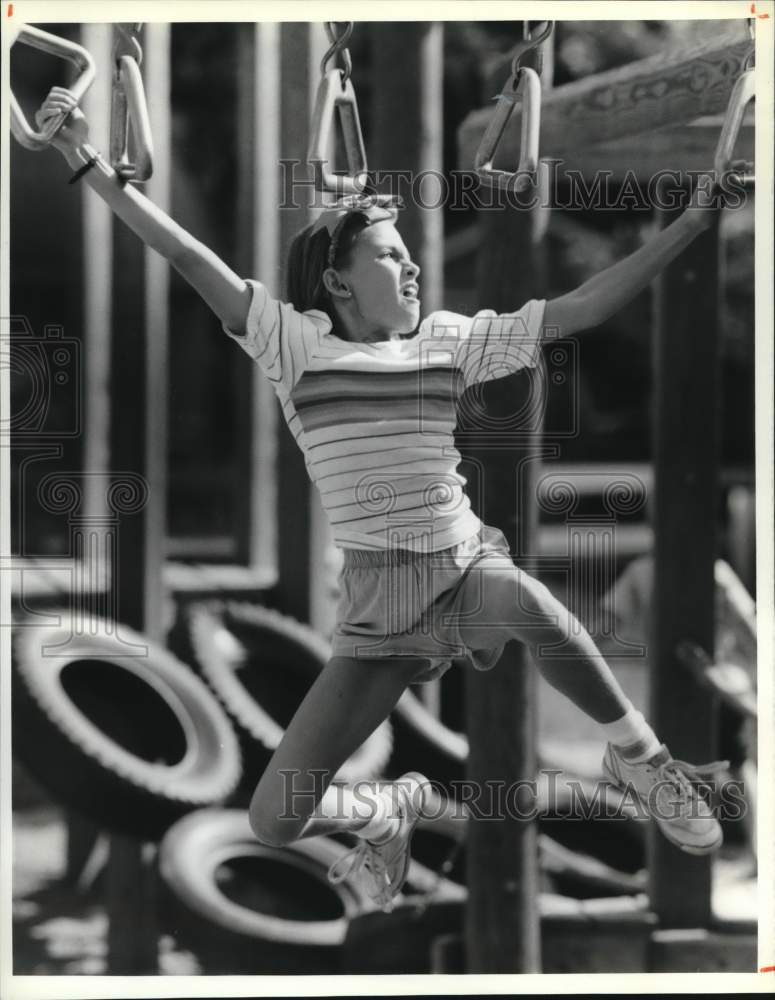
x: 635, y: 118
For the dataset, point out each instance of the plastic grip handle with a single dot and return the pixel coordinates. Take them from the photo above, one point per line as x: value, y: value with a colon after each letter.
x: 743, y: 92
x: 336, y: 96
x: 528, y: 92
x: 129, y: 104
x: 27, y: 136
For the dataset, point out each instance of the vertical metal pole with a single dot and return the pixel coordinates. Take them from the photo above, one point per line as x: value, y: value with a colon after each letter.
x: 258, y: 192
x: 156, y: 65
x: 685, y: 500
x: 98, y: 280
x: 407, y: 136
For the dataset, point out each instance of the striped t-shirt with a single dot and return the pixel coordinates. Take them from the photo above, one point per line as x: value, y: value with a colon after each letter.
x: 375, y: 421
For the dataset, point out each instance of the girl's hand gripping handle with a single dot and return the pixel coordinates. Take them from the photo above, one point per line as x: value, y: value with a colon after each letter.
x: 75, y: 131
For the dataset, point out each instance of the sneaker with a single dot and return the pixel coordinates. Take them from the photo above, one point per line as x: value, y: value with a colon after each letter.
x: 665, y: 788
x: 385, y: 865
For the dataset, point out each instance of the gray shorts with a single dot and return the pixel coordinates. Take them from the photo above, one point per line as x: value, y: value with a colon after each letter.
x: 395, y: 602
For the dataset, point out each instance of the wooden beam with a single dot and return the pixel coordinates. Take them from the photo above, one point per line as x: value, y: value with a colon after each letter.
x: 685, y: 503
x: 646, y: 157
x: 699, y: 950
x: 670, y: 89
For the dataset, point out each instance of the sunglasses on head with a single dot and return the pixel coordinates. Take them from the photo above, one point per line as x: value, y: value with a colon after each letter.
x: 377, y: 208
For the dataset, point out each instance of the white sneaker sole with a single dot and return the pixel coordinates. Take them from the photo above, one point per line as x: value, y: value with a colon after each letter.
x: 696, y: 849
x: 420, y: 780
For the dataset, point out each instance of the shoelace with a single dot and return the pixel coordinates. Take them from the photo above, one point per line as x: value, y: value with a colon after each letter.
x: 363, y: 856
x: 680, y: 774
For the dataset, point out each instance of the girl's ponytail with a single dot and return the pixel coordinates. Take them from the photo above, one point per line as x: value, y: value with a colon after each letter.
x: 308, y: 259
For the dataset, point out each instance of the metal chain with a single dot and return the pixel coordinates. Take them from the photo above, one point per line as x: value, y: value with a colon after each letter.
x: 750, y: 58
x: 127, y: 42
x: 529, y: 42
x: 338, y: 48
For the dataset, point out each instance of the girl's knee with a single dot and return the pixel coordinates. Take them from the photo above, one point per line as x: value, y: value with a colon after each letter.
x: 271, y: 830
x: 271, y: 821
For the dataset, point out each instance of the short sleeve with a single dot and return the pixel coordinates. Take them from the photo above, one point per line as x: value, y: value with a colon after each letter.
x: 278, y: 338
x: 489, y: 346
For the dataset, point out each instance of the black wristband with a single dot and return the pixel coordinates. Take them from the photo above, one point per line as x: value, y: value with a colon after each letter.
x: 82, y: 170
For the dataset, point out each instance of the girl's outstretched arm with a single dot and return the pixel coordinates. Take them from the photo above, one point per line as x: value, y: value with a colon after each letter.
x: 223, y: 290
x: 604, y: 294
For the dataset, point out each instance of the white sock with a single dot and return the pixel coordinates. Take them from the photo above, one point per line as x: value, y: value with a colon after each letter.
x: 382, y: 823
x: 633, y: 735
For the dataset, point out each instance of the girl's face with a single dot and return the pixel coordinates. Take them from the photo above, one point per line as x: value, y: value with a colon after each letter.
x: 382, y: 281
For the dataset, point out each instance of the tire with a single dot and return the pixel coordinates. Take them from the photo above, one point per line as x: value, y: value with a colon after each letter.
x: 260, y: 665
x: 244, y: 934
x: 72, y: 730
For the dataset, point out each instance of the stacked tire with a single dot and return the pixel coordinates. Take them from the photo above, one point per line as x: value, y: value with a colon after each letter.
x: 243, y: 907
x: 117, y: 727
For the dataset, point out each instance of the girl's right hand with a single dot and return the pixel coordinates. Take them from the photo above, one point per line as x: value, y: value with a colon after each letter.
x: 75, y: 130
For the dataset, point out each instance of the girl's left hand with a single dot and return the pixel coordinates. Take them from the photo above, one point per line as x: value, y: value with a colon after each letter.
x: 74, y: 131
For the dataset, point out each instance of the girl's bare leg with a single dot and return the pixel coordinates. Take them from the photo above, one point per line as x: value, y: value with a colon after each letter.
x: 346, y: 703
x: 502, y: 602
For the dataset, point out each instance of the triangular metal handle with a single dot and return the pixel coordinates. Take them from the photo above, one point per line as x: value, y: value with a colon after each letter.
x: 336, y: 99
x: 23, y: 132
x: 742, y: 94
x: 524, y: 88
x: 128, y: 105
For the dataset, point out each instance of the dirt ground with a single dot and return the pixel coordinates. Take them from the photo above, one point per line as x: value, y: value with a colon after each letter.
x: 57, y: 928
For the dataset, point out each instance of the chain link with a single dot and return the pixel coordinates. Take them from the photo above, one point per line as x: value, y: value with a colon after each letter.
x: 338, y: 48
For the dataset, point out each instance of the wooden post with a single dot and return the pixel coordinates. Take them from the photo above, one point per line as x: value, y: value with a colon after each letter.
x: 258, y: 192
x: 408, y: 71
x: 685, y: 499
x: 502, y: 924
x: 138, y: 444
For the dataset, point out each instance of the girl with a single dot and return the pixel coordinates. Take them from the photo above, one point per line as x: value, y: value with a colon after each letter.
x: 371, y: 403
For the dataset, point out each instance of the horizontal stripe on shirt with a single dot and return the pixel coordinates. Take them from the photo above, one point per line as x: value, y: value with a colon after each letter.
x: 376, y: 421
